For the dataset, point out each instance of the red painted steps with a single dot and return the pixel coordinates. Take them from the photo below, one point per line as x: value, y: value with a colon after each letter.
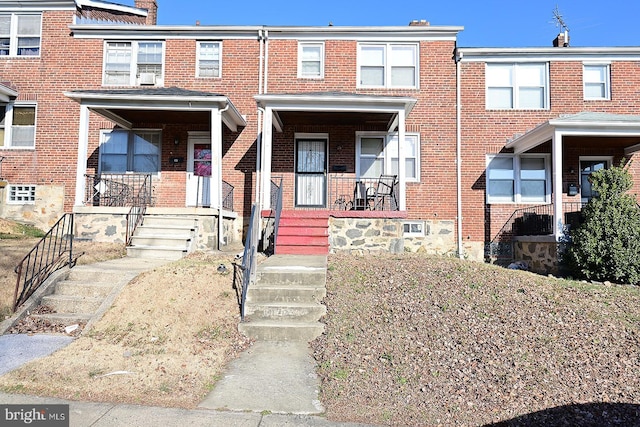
x: 303, y: 233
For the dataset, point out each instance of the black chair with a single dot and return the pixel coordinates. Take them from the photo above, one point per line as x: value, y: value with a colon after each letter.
x: 384, y: 193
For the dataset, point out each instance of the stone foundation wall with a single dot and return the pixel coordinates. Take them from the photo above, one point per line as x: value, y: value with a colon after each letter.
x: 44, y: 213
x: 540, y: 255
x: 364, y: 235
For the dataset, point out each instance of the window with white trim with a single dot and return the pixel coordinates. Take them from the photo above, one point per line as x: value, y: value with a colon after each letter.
x: 387, y: 65
x: 124, y: 151
x: 518, y: 179
x: 310, y: 60
x: 22, y: 194
x: 377, y: 154
x: 521, y: 86
x: 413, y: 228
x: 133, y: 63
x: 20, y: 34
x: 209, y: 56
x: 18, y: 125
x: 596, y: 79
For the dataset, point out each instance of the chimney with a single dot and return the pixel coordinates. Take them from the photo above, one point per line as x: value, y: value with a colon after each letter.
x: 562, y: 40
x: 419, y: 23
x: 152, y: 10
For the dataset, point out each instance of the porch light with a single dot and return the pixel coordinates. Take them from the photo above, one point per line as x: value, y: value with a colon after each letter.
x: 176, y: 141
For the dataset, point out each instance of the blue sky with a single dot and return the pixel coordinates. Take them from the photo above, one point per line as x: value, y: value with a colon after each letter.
x: 488, y: 23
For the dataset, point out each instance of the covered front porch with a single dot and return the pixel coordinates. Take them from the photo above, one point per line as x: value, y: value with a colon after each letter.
x: 142, y: 151
x: 578, y: 145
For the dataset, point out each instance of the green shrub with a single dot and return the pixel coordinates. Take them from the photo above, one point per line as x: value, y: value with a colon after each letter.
x: 606, y: 245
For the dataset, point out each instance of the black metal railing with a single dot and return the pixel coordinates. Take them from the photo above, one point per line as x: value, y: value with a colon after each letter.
x: 276, y: 211
x: 350, y: 193
x: 53, y: 252
x: 1, y: 159
x: 245, y: 273
x: 531, y: 221
x: 227, y: 196
x: 118, y: 190
x: 134, y: 220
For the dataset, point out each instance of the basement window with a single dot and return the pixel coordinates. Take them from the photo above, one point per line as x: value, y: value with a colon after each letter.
x: 414, y: 228
x: 22, y: 194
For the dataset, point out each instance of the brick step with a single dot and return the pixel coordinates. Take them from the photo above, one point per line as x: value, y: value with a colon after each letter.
x: 320, y: 214
x: 281, y: 331
x: 302, y: 231
x: 301, y: 240
x: 304, y: 222
x: 302, y: 250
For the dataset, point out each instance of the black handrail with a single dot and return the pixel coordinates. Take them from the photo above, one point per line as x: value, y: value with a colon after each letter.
x: 278, y: 212
x: 53, y: 252
x: 249, y: 258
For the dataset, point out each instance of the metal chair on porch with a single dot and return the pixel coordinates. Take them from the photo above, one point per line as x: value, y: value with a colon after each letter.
x: 384, y: 193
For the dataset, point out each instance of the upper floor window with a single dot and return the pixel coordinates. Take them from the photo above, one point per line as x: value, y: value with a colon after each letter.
x: 518, y: 179
x: 388, y: 65
x: 130, y: 151
x: 522, y: 86
x: 133, y: 63
x: 596, y: 81
x: 378, y: 154
x: 20, y: 34
x: 311, y: 60
x: 17, y: 126
x: 208, y: 60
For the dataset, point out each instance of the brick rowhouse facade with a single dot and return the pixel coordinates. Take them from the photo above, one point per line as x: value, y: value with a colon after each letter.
x: 263, y: 64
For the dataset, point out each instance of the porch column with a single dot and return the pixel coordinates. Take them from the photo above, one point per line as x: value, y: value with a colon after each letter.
x: 402, y: 173
x: 83, y: 146
x: 265, y: 167
x: 216, y: 159
x: 556, y: 182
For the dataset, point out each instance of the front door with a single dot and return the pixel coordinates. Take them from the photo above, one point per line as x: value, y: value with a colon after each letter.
x: 311, y: 172
x: 587, y: 167
x: 199, y: 172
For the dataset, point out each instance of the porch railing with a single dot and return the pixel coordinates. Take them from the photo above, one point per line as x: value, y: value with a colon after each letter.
x: 53, y: 252
x: 203, y: 191
x: 227, y: 196
x: 118, y: 190
x: 349, y: 193
x: 530, y: 221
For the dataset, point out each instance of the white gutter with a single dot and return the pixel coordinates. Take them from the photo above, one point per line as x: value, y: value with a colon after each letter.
x: 258, y: 196
x: 458, y: 57
x: 266, y: 60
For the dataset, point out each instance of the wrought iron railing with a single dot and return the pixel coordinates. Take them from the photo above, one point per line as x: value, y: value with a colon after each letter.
x: 1, y: 159
x: 531, y: 221
x: 118, y: 190
x: 350, y: 193
x: 53, y: 252
x: 227, y: 196
x: 134, y: 219
x: 245, y: 273
x: 276, y: 211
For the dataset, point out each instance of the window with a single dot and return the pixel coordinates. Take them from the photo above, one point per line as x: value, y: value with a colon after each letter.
x: 517, y: 86
x: 133, y: 63
x: 596, y: 81
x: 388, y: 65
x: 518, y: 179
x: 378, y: 154
x: 22, y: 194
x: 17, y: 126
x: 20, y: 34
x: 311, y: 60
x: 136, y: 151
x: 413, y: 228
x: 209, y: 54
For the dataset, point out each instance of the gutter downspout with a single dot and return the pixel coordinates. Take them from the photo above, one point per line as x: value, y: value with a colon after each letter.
x: 220, y: 218
x: 458, y: 58
x: 258, y: 197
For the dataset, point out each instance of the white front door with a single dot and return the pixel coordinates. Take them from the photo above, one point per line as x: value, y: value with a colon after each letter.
x: 311, y: 171
x: 199, y: 172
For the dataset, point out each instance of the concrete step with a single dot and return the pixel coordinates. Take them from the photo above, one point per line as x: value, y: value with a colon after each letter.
x: 177, y: 232
x: 85, y: 274
x: 287, y: 294
x: 291, y: 277
x: 72, y: 304
x: 85, y: 288
x: 161, y: 240
x: 302, y: 250
x: 303, y: 312
x: 156, y: 252
x: 66, y: 319
x: 281, y: 331
x: 161, y: 221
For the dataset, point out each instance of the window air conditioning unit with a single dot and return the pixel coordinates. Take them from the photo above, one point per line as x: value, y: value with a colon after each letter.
x: 148, y: 79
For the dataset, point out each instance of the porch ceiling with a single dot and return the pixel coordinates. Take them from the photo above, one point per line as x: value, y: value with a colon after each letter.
x: 626, y: 128
x: 331, y: 118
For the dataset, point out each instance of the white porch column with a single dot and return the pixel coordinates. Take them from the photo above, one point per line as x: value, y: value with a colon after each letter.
x: 83, y: 146
x: 265, y: 167
x: 402, y: 173
x: 556, y: 181
x: 216, y: 160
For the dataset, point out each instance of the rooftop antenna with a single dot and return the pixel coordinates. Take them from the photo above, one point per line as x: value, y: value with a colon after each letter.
x: 560, y: 23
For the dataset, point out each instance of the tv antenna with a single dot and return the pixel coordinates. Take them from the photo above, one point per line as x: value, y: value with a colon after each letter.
x: 559, y: 20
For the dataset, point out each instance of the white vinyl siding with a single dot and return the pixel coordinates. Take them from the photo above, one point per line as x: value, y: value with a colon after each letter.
x: 522, y: 86
x: 133, y: 63
x: 596, y: 79
x: 388, y: 65
x: 209, y: 59
x: 518, y: 179
x: 20, y: 34
x: 311, y: 60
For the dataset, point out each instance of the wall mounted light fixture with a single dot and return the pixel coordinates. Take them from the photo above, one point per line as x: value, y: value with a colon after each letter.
x: 176, y: 141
